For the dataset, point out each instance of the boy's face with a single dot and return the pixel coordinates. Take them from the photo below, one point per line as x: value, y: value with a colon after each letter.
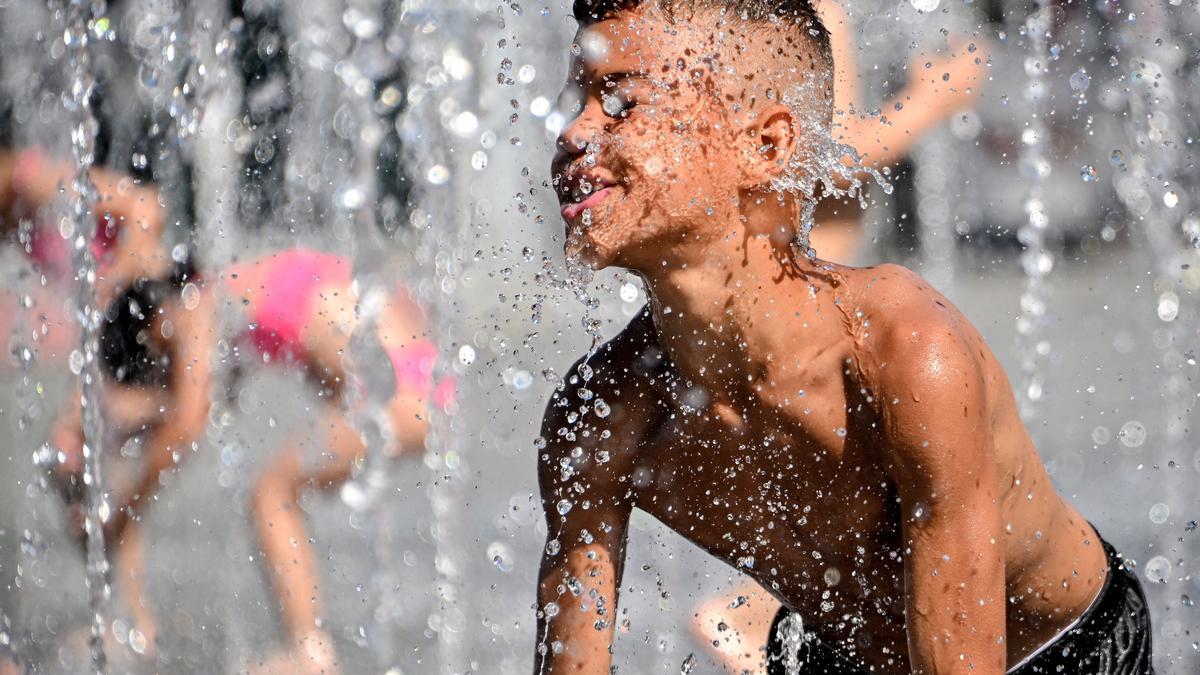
x: 655, y: 152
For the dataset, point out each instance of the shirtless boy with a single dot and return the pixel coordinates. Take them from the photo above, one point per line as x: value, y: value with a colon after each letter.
x: 840, y: 434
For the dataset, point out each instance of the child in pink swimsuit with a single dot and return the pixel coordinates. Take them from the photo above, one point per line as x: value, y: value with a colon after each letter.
x: 291, y: 281
x: 294, y: 297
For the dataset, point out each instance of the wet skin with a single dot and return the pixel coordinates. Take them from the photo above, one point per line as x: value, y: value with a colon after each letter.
x: 842, y: 435
x: 765, y: 479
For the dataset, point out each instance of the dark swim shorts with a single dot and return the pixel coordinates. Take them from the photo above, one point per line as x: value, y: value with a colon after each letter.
x: 1111, y: 638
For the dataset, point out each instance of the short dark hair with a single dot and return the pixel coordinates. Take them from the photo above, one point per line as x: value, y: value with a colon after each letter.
x: 127, y: 354
x: 799, y: 12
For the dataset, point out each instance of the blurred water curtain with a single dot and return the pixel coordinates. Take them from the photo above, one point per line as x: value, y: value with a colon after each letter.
x: 313, y: 109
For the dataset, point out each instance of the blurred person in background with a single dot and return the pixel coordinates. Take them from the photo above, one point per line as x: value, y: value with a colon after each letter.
x: 736, y: 624
x: 303, y: 309
x: 156, y: 360
x: 130, y: 219
x: 127, y: 243
x: 298, y: 308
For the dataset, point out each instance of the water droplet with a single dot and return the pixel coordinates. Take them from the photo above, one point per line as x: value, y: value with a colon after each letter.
x: 920, y: 511
x: 75, y: 362
x: 1116, y: 157
x: 689, y: 664
x: 1168, y: 306
x: 437, y: 174
x: 466, y: 355
x: 1158, y: 570
x: 148, y: 75
x: 501, y: 555
x: 602, y: 409
x: 833, y: 576
x: 137, y: 641
x: 190, y: 295
x: 1159, y: 513
x: 563, y: 507
x: 1079, y: 80
x: 1088, y: 174
x: 1132, y: 434
x: 1171, y: 199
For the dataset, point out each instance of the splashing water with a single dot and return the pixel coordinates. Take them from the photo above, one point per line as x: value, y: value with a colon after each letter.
x: 86, y: 21
x: 436, y: 35
x: 822, y: 167
x: 791, y: 635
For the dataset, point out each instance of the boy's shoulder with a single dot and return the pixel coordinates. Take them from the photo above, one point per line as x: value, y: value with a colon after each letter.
x: 616, y: 384
x: 897, y: 301
x: 632, y: 355
x: 914, y: 336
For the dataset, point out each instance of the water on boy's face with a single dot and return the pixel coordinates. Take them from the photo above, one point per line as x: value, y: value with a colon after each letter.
x: 650, y: 151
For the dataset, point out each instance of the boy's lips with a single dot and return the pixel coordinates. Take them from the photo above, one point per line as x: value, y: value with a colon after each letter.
x: 571, y: 211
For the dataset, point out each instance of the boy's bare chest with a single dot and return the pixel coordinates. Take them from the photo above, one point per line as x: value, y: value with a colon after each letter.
x: 783, y: 492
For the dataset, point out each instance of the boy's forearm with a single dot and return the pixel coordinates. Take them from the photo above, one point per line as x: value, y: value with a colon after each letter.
x: 577, y: 602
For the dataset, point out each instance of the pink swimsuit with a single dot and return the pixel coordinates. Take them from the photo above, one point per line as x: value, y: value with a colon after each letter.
x: 291, y: 282
x: 413, y: 364
x: 290, y: 285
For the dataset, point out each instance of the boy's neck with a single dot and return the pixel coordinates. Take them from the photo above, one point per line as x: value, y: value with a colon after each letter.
x: 721, y: 301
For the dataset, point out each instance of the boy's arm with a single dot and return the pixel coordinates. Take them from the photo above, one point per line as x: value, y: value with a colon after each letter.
x: 942, y: 460
x: 584, y: 474
x: 172, y: 439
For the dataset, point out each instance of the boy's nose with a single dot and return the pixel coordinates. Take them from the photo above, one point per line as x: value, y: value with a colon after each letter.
x: 574, y: 138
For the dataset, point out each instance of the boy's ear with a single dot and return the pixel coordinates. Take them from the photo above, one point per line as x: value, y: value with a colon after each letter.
x: 773, y: 136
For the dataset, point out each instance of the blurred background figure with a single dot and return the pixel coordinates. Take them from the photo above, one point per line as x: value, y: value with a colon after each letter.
x: 128, y: 241
x: 296, y: 308
x: 301, y: 308
x: 156, y: 347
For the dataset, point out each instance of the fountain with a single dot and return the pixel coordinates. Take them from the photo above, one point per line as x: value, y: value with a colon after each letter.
x: 85, y: 22
x: 1037, y: 261
x: 276, y: 125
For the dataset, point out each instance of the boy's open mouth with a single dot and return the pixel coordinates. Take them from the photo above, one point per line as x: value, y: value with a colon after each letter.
x: 573, y: 210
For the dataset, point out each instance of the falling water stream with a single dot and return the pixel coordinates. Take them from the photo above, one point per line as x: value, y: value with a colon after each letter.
x: 361, y: 72
x: 1153, y: 193
x: 442, y: 95
x: 1036, y: 261
x: 85, y: 22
